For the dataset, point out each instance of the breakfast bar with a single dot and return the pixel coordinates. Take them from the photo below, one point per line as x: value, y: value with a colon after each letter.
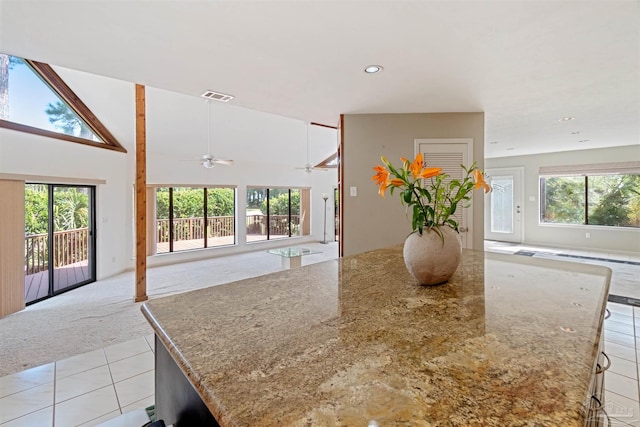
x: 509, y: 340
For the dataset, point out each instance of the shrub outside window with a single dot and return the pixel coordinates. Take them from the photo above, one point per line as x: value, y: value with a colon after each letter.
x: 194, y: 218
x: 606, y: 199
x: 277, y: 213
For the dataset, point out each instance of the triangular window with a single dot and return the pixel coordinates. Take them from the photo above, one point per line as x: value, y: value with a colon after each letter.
x: 329, y: 162
x: 34, y: 99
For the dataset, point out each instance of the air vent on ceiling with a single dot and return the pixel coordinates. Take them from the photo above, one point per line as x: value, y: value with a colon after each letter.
x: 210, y: 94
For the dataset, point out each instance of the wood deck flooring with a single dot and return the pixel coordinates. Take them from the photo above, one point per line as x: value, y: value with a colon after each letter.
x: 36, y: 286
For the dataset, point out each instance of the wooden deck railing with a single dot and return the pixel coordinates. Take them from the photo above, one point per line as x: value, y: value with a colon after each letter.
x: 193, y: 228
x: 70, y: 246
x: 278, y: 224
x: 223, y: 226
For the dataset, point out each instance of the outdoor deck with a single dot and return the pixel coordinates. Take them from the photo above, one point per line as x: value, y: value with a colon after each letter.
x: 185, y: 245
x: 36, y: 285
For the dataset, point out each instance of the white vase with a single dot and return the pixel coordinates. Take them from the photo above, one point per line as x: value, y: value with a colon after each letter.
x: 432, y: 257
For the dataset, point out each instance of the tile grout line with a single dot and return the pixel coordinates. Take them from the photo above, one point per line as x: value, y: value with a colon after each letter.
x: 113, y: 383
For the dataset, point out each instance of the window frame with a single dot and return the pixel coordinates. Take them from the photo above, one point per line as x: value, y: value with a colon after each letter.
x: 171, y: 217
x: 585, y: 176
x: 268, y: 213
x: 57, y: 85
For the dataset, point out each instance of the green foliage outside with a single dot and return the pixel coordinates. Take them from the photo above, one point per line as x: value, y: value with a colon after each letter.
x: 614, y: 200
x: 70, y: 209
x: 564, y: 200
x: 36, y: 216
x: 279, y: 204
x: 189, y: 202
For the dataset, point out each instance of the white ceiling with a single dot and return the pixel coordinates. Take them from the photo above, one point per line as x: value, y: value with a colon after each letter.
x: 526, y: 64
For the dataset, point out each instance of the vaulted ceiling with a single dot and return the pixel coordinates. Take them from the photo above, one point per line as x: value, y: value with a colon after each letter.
x: 526, y: 64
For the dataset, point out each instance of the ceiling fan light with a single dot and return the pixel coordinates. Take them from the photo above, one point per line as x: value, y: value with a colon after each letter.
x: 208, y: 164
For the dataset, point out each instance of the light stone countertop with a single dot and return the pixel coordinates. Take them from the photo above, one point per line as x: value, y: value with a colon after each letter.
x: 509, y: 340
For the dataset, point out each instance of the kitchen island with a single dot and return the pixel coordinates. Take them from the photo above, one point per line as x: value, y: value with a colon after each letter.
x: 509, y: 340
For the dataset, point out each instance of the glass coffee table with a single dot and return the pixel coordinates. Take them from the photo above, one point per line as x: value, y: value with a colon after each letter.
x: 292, y: 256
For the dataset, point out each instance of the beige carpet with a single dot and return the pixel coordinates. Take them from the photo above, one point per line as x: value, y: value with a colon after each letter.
x: 103, y: 313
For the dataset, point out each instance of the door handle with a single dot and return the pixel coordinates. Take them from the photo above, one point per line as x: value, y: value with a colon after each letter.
x: 463, y: 229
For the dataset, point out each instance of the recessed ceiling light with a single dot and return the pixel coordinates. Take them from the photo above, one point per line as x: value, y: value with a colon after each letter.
x: 566, y: 119
x: 578, y: 132
x: 493, y: 142
x: 584, y: 140
x: 372, y: 69
x: 510, y: 149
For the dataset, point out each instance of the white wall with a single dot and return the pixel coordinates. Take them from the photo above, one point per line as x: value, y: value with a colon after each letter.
x: 22, y: 153
x: 601, y: 238
x: 266, y: 148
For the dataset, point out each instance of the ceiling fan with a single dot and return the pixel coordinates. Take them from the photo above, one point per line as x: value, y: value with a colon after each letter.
x: 208, y: 160
x: 307, y: 167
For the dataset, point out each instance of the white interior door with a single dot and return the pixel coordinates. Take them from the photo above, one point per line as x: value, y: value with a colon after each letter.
x: 449, y: 154
x: 504, y: 209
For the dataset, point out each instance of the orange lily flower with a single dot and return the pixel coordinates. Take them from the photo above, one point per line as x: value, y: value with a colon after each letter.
x: 382, y: 175
x: 397, y: 182
x: 480, y: 182
x: 381, y: 178
x: 383, y: 188
x: 416, y: 166
x: 430, y: 172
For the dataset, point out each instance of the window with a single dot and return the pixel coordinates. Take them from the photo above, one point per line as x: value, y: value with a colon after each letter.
x: 194, y: 218
x: 598, y: 199
x: 329, y: 162
x: 277, y: 213
x: 34, y: 99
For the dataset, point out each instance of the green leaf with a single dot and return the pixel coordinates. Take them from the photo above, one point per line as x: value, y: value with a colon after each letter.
x: 407, y: 195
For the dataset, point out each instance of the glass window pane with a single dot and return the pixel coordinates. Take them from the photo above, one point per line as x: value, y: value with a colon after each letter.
x: 614, y: 200
x: 188, y: 218
x: 162, y: 220
x: 278, y: 213
x: 562, y: 200
x: 256, y: 214
x: 295, y: 212
x: 36, y: 242
x: 502, y: 204
x: 32, y: 102
x: 221, y: 214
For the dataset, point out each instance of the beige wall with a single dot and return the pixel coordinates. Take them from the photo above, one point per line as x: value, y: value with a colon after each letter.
x: 371, y: 222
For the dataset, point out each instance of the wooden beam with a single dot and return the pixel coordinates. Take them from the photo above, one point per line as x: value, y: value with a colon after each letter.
x: 141, y: 195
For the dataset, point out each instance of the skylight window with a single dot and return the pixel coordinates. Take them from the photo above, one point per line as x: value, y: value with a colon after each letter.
x: 34, y: 99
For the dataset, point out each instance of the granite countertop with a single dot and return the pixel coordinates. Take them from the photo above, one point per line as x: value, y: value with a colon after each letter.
x: 509, y: 340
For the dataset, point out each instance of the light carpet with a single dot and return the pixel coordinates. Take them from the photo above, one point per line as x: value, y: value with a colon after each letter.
x: 103, y: 313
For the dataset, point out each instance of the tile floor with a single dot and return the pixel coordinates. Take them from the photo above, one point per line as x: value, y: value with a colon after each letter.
x: 83, y: 390
x: 94, y: 387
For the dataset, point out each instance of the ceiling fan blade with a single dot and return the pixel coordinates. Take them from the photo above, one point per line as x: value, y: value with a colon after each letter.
x: 224, y: 162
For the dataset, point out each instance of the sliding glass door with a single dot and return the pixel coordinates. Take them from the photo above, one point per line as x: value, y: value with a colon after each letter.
x: 72, y: 236
x: 59, y: 239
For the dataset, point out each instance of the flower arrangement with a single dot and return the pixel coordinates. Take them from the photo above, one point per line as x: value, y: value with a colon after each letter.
x: 434, y: 202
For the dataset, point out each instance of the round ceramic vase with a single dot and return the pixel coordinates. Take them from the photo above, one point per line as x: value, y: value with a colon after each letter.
x: 429, y: 259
